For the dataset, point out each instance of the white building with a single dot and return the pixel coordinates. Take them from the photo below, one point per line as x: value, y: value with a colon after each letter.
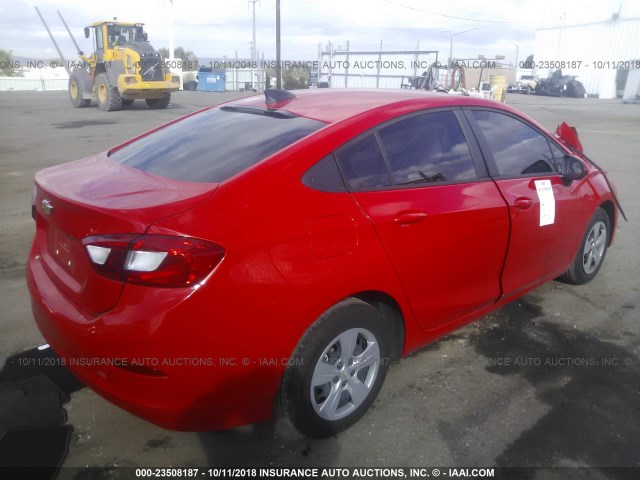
x: 38, y: 78
x: 594, y: 52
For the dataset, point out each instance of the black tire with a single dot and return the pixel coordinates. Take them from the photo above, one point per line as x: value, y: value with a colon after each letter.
x: 591, y: 252
x: 320, y: 348
x: 158, y: 103
x: 75, y: 93
x: 126, y: 103
x: 539, y: 87
x: 109, y: 98
x: 190, y: 85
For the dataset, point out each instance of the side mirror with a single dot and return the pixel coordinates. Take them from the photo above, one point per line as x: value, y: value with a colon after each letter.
x: 572, y: 169
x: 87, y: 32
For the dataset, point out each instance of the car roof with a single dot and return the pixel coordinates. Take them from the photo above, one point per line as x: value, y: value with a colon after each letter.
x: 334, y: 105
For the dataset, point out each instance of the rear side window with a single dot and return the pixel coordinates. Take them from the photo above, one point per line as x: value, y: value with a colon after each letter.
x: 427, y: 149
x: 517, y: 148
x: 363, y: 164
x: 325, y: 176
x: 214, y: 145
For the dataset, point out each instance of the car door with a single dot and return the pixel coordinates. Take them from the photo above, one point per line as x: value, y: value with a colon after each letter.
x: 545, y: 212
x: 442, y: 221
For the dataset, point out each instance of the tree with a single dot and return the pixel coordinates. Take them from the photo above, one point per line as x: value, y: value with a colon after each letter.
x: 187, y: 56
x: 8, y: 66
x: 528, y: 63
x: 295, y: 78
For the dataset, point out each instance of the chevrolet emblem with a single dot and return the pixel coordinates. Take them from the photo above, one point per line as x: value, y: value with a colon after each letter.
x: 47, y: 208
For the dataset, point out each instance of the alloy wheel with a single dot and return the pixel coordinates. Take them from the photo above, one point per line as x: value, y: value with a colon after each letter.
x: 345, y: 374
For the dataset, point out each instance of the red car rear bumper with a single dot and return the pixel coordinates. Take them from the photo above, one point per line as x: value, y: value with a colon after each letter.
x: 137, y: 361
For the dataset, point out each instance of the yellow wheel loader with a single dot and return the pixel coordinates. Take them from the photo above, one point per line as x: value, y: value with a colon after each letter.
x: 123, y: 67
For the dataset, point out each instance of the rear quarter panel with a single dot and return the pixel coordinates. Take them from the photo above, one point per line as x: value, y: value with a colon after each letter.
x: 282, y: 268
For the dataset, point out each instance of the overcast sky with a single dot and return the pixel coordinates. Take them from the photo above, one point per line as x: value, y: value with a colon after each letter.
x: 216, y: 28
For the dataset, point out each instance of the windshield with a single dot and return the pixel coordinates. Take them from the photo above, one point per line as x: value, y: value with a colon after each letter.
x: 121, y: 35
x: 214, y: 145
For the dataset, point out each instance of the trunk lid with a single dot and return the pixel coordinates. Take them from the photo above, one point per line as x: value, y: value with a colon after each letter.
x: 98, y: 196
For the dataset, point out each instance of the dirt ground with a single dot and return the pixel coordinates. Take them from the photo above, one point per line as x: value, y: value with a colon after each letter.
x: 491, y: 394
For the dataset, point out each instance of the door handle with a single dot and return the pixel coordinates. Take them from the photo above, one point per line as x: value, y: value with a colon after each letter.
x: 523, y: 203
x: 407, y: 218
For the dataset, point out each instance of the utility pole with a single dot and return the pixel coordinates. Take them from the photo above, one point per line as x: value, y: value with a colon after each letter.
x: 517, y: 52
x: 451, y: 41
x: 254, y: 60
x: 171, y: 44
x: 252, y: 69
x: 278, y: 57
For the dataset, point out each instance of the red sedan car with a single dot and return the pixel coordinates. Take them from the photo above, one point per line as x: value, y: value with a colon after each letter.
x: 277, y: 253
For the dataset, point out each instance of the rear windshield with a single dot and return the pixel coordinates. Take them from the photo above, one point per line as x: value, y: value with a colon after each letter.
x: 214, y: 145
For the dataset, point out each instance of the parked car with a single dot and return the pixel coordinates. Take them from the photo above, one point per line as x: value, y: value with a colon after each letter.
x: 281, y: 250
x: 526, y: 85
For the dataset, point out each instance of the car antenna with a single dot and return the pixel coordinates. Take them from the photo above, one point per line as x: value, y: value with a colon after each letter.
x: 274, y: 95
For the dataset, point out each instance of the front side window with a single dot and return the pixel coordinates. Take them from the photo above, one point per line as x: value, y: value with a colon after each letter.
x: 211, y: 146
x: 517, y: 148
x: 558, y: 156
x: 428, y: 148
x: 121, y: 35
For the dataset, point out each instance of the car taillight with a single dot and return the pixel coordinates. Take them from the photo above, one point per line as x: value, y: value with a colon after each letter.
x: 158, y: 260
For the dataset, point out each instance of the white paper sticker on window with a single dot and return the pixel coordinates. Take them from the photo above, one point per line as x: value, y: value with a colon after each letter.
x: 547, y: 202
